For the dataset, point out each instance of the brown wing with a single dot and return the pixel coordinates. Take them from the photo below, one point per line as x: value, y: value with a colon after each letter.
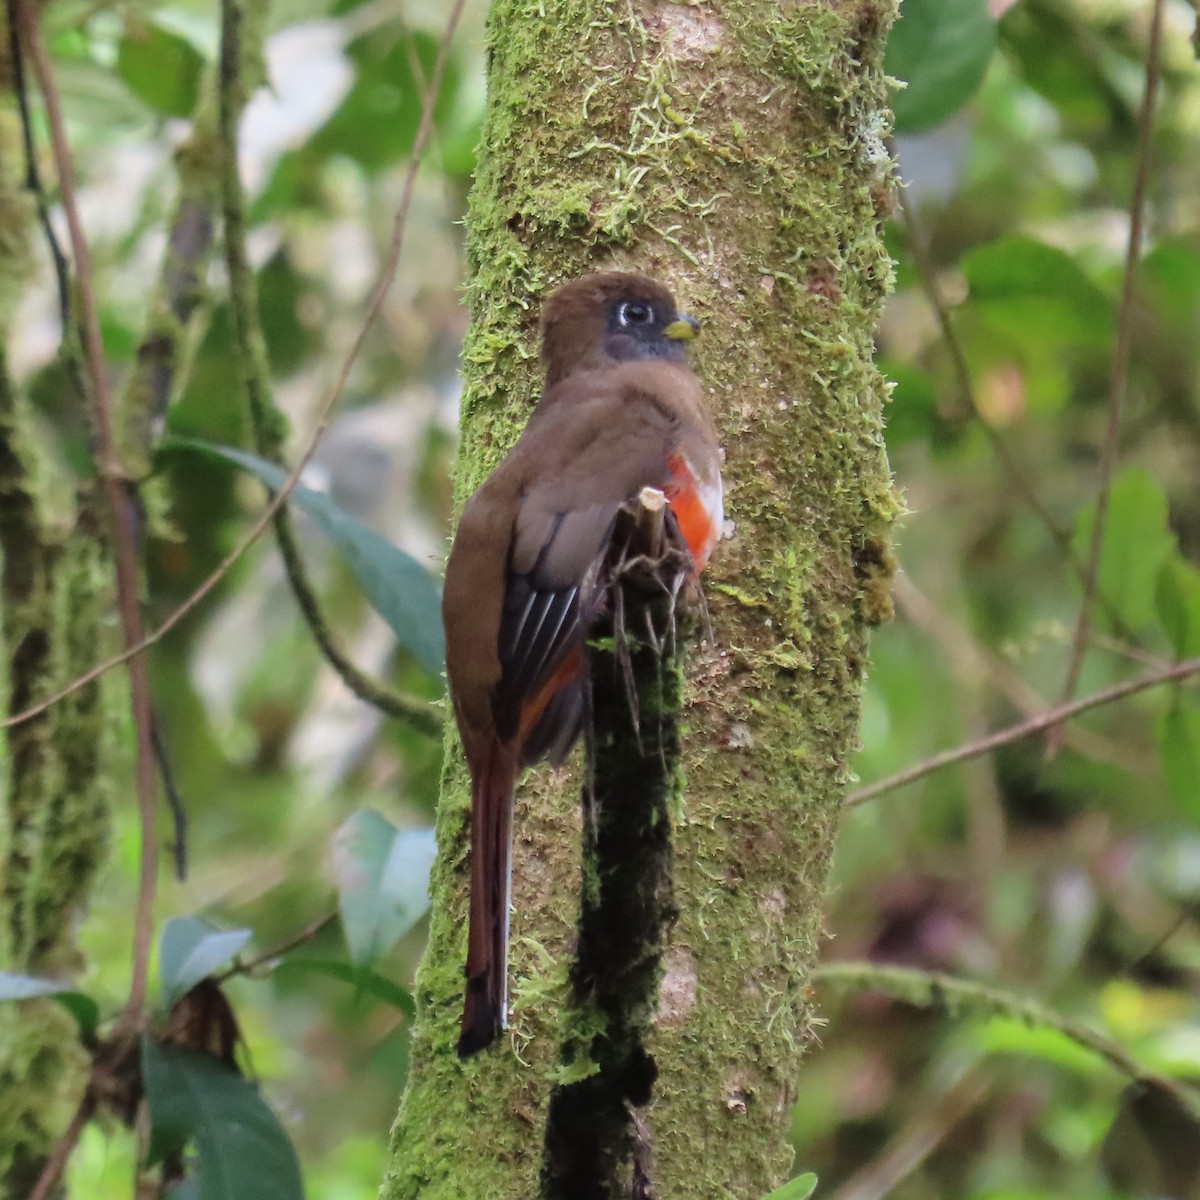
x: 590, y: 458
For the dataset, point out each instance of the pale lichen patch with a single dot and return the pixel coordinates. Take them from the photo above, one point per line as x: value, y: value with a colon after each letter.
x: 677, y: 993
x: 686, y: 32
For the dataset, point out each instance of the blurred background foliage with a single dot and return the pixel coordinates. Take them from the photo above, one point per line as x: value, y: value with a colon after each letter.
x: 1072, y: 877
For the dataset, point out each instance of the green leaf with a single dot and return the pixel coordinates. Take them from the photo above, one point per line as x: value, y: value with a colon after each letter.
x: 81, y: 1006
x: 799, y: 1188
x: 1179, y: 750
x: 1177, y: 599
x: 191, y: 950
x: 160, y: 67
x: 1137, y: 541
x: 941, y: 49
x: 382, y: 877
x: 363, y: 979
x: 243, y: 1151
x: 1007, y: 1035
x: 376, y: 124
x: 1038, y: 292
x: 397, y: 586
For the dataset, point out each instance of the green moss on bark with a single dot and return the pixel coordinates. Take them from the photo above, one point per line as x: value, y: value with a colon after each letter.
x: 736, y: 151
x: 55, y: 621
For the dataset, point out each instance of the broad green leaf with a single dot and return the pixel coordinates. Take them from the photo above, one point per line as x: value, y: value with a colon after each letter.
x: 1056, y: 54
x: 191, y: 950
x: 82, y: 1007
x: 1137, y: 541
x: 940, y: 49
x: 799, y: 1188
x: 382, y: 877
x: 363, y: 979
x: 1177, y: 599
x: 160, y: 67
x: 1179, y: 750
x: 244, y: 1153
x: 397, y: 586
x: 1005, y: 1035
x: 377, y: 122
x: 1031, y: 290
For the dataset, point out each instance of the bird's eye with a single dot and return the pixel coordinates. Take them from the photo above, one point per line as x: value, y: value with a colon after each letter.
x: 634, y: 314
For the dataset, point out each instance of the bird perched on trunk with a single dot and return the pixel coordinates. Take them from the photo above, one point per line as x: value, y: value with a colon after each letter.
x: 620, y: 411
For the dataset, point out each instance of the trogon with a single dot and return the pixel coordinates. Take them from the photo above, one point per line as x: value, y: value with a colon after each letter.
x: 620, y: 411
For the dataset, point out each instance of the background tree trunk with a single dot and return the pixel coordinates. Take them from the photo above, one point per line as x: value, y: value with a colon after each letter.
x: 735, y: 150
x: 55, y: 622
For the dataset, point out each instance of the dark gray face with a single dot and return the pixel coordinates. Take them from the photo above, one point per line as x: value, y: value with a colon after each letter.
x: 642, y: 327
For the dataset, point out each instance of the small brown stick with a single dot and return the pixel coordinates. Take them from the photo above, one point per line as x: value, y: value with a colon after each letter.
x: 1014, y: 733
x: 300, y: 939
x: 56, y: 1164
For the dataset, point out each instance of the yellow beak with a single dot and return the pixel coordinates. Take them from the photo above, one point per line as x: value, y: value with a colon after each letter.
x: 682, y: 329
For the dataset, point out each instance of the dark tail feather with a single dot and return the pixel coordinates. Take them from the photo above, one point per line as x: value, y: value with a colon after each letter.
x: 485, y: 1009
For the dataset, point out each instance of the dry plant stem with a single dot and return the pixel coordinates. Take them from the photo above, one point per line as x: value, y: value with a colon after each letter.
x: 266, y: 419
x: 913, y: 1144
x: 1014, y: 733
x: 300, y: 939
x: 276, y: 502
x: 123, y: 508
x: 1121, y: 351
x: 56, y: 1164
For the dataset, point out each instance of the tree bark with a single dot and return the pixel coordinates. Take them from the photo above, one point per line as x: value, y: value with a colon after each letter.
x: 55, y: 608
x: 735, y: 150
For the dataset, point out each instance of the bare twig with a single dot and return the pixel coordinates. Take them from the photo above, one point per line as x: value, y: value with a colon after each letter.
x: 1121, y: 350
x: 47, y: 1182
x: 300, y: 939
x: 121, y: 502
x: 178, y: 844
x: 1014, y: 733
x: 374, y: 305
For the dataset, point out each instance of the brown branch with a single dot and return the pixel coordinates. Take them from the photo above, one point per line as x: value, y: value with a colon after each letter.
x: 122, y: 505
x: 1014, y: 733
x: 56, y: 1164
x: 324, y: 415
x: 300, y: 939
x: 1121, y: 353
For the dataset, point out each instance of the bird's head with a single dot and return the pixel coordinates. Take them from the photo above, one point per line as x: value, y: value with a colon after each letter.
x: 611, y: 317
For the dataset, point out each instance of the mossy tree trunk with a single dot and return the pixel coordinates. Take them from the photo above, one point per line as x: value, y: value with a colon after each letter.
x: 734, y: 149
x: 56, y: 605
